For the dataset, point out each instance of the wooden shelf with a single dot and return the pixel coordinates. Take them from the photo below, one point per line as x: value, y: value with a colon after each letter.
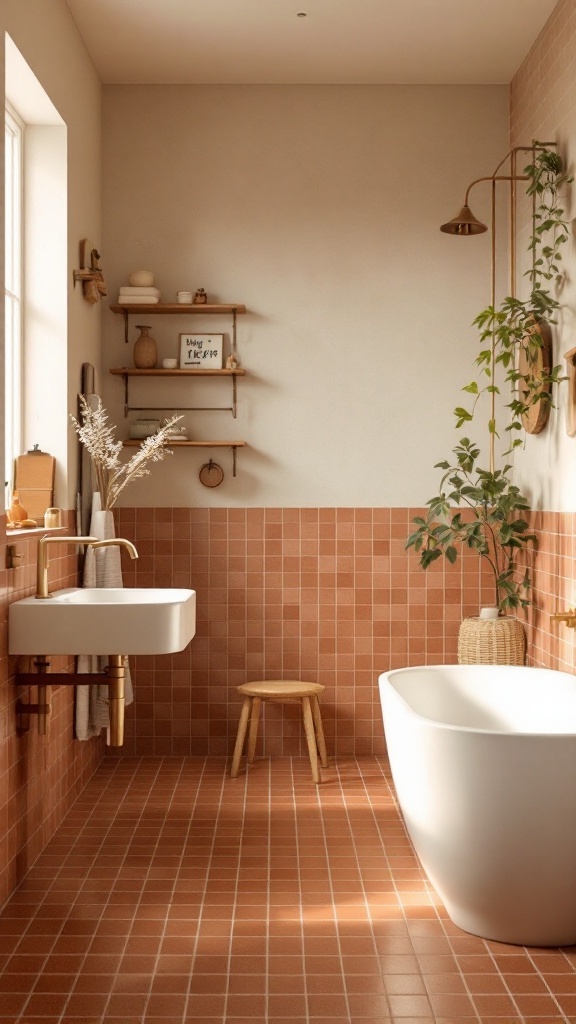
x: 130, y: 371
x: 126, y: 372
x: 134, y: 443
x: 200, y: 309
x: 181, y: 309
x: 231, y: 309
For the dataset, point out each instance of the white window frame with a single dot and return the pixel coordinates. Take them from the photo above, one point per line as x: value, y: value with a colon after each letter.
x: 13, y: 293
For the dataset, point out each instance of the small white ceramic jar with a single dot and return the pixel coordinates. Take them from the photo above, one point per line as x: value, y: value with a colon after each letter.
x: 489, y: 613
x: 170, y: 364
x: 184, y: 298
x: 52, y: 518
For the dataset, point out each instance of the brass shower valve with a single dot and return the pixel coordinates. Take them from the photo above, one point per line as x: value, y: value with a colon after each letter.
x: 568, y: 617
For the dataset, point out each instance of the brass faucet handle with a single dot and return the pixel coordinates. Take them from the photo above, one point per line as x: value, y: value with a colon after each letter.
x: 14, y: 558
x: 568, y: 617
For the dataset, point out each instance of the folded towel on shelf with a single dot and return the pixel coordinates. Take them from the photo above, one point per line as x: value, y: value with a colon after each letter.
x: 137, y: 300
x: 129, y: 290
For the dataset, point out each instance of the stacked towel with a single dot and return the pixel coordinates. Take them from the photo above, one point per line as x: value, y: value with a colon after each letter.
x: 138, y: 296
x: 129, y: 290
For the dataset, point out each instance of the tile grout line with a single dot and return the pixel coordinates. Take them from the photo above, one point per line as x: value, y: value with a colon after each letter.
x: 333, y: 899
x: 77, y: 892
x: 170, y: 898
x: 302, y: 930
x: 490, y: 952
x: 391, y: 872
x: 153, y: 779
x: 206, y: 879
x: 268, y: 893
x: 461, y: 973
x: 539, y: 972
x: 144, y: 880
x: 236, y: 886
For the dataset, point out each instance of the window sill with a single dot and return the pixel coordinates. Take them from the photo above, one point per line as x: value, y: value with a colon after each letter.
x: 32, y: 531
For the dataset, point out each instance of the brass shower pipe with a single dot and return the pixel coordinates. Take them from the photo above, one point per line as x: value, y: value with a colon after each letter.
x: 465, y: 223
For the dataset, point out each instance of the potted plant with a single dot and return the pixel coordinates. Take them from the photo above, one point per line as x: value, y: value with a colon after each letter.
x: 482, y: 509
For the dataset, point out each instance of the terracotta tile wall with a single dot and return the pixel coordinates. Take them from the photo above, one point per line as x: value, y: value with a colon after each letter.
x: 40, y: 776
x: 543, y: 92
x: 328, y: 595
x: 543, y: 106
x: 325, y: 594
x: 552, y: 644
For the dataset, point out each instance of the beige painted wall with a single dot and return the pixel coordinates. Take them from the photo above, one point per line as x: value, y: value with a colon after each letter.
x: 48, y: 40
x: 543, y: 106
x: 319, y: 208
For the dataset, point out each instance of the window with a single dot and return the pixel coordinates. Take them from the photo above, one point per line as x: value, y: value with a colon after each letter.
x: 13, y: 292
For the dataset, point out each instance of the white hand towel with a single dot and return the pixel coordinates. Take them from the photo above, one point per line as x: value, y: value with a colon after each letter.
x: 102, y: 568
x: 129, y: 290
x: 137, y: 300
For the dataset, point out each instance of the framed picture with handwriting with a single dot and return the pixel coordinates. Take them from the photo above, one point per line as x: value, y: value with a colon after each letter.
x: 201, y: 351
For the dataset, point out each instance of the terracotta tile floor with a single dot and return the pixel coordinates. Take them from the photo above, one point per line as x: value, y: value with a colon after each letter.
x: 172, y: 894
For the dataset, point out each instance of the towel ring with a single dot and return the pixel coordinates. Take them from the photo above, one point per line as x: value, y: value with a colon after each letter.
x: 211, y: 474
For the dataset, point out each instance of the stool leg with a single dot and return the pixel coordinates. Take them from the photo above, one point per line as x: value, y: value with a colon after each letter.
x: 242, y: 724
x: 254, y: 719
x: 310, y: 737
x: 319, y: 731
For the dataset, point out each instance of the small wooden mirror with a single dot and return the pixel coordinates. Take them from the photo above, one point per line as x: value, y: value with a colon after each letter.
x: 534, y: 365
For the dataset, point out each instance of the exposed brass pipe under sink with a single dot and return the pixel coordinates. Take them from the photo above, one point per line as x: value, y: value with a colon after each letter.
x: 115, y: 675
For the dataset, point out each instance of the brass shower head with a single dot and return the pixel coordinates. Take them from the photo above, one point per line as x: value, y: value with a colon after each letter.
x: 464, y: 224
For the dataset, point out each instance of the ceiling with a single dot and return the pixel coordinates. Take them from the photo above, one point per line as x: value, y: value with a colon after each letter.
x: 339, y: 41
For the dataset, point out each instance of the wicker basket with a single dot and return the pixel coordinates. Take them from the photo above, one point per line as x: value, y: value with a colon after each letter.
x: 491, y: 641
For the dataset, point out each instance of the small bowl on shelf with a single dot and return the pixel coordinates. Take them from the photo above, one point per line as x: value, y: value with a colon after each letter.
x: 170, y: 364
x: 141, y: 279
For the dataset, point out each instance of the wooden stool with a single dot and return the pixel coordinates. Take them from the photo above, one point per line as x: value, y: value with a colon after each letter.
x: 282, y: 691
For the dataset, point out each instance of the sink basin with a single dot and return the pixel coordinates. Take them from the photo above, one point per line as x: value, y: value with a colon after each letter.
x: 107, y: 620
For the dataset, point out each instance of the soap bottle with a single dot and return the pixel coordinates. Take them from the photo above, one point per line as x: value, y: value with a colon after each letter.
x: 16, y: 513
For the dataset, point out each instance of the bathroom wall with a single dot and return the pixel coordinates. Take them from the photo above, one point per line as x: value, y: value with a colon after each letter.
x: 319, y: 207
x: 41, y: 776
x: 543, y: 107
x: 327, y: 594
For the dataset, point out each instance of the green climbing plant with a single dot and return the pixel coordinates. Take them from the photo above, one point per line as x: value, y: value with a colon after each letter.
x: 482, y: 509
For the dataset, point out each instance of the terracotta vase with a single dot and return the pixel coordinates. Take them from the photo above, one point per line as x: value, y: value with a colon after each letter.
x: 145, y: 349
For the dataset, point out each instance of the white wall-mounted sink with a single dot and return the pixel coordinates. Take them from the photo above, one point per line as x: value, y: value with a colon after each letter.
x: 107, y: 620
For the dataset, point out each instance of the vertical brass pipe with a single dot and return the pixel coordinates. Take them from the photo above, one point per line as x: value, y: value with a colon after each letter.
x: 493, y: 304
x: 513, y: 223
x: 42, y: 663
x: 116, y: 698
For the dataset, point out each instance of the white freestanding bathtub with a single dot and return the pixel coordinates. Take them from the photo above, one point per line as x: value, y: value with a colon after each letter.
x: 483, y: 759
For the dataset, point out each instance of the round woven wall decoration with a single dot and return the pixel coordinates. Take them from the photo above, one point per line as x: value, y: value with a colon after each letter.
x: 491, y: 641
x: 211, y: 474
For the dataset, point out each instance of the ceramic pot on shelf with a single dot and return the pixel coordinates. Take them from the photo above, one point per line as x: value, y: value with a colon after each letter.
x: 145, y: 349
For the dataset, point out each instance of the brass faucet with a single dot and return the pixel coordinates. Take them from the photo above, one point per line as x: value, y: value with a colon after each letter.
x: 568, y: 617
x: 42, y: 592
